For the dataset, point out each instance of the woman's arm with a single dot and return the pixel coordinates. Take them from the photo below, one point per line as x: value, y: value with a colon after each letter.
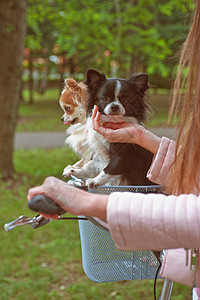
x: 126, y: 133
x: 154, y: 221
x: 136, y: 221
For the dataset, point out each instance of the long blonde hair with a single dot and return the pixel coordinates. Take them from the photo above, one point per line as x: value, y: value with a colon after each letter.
x: 185, y: 176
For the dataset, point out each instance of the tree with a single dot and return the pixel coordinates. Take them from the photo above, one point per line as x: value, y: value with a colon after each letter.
x: 39, y: 41
x: 117, y: 37
x: 12, y: 35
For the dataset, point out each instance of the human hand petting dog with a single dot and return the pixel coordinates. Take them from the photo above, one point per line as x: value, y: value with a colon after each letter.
x: 125, y: 132
x: 71, y: 199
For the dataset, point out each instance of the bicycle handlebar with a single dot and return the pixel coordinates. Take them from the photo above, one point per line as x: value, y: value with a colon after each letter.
x: 44, y: 204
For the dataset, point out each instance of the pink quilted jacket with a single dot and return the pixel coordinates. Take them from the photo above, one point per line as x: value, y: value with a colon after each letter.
x: 155, y: 221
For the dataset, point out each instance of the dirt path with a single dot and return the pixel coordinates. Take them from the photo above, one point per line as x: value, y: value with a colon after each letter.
x: 48, y: 140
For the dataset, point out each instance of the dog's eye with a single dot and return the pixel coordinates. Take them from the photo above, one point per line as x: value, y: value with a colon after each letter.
x: 67, y: 109
x: 105, y: 99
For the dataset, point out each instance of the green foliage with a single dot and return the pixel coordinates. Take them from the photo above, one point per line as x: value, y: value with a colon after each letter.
x: 114, y: 36
x: 183, y: 5
x: 39, y: 17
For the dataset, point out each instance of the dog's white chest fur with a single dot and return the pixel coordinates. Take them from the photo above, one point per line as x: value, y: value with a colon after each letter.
x: 77, y: 140
x: 99, y: 146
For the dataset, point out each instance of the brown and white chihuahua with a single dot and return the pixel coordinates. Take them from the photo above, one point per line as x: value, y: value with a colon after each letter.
x: 72, y: 101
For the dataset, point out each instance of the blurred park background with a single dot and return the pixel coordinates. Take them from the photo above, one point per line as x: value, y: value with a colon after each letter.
x: 42, y: 43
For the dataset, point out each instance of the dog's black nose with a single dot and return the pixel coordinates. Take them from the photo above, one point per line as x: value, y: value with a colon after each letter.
x: 114, y: 108
x: 62, y: 119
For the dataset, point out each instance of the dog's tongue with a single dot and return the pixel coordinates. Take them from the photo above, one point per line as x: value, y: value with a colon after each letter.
x: 67, y: 123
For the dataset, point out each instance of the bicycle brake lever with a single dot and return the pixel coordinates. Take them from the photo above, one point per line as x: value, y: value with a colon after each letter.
x: 35, y: 222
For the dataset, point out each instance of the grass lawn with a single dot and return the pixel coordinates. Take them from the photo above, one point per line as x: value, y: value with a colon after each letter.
x: 45, y: 263
x: 45, y: 113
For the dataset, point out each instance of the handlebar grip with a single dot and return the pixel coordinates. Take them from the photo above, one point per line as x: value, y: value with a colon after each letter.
x: 45, y: 205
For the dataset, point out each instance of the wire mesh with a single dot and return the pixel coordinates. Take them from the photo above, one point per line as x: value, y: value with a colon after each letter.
x: 102, y: 261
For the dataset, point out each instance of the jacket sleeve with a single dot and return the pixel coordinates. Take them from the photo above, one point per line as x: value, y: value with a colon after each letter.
x: 159, y: 171
x: 154, y: 221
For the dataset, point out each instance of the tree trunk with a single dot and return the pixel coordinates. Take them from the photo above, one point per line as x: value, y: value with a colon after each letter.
x: 12, y: 35
x: 62, y: 72
x: 71, y: 66
x: 118, y: 34
x: 134, y: 64
x: 43, y: 83
x: 21, y: 98
x: 30, y: 61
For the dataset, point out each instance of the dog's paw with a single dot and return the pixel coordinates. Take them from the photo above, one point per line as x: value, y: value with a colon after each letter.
x: 92, y: 183
x: 69, y: 170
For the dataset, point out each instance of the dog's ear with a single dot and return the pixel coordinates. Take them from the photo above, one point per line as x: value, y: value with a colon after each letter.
x: 71, y: 84
x: 141, y: 80
x: 78, y: 90
x: 93, y: 77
